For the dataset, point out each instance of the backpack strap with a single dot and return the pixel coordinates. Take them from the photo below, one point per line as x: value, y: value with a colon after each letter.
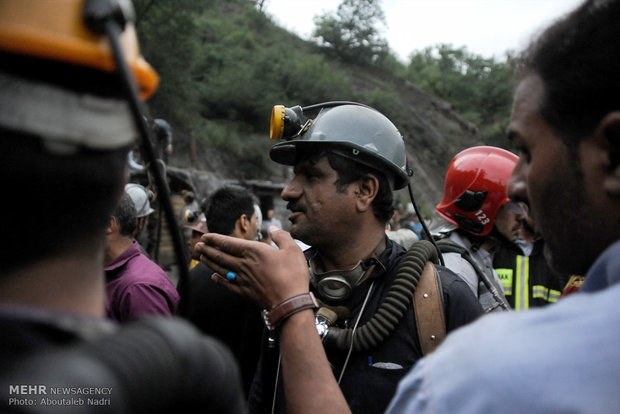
x: 428, y: 310
x: 448, y: 246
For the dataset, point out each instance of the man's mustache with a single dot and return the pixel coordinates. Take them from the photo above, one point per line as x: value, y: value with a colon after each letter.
x: 296, y: 207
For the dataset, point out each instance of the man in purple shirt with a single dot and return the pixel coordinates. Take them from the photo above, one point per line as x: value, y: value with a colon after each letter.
x: 135, y: 285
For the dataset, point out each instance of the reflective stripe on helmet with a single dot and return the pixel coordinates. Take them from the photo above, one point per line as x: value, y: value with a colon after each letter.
x: 63, y: 117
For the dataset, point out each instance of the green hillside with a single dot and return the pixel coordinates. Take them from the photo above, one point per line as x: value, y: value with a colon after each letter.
x: 224, y: 64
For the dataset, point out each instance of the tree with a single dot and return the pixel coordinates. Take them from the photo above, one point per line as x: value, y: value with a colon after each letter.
x: 353, y: 32
x: 222, y: 68
x: 168, y: 36
x: 478, y: 88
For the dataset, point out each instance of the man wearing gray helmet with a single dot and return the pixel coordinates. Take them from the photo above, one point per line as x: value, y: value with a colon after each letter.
x: 141, y: 198
x: 346, y: 165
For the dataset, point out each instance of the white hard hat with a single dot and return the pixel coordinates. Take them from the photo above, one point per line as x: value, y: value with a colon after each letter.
x: 259, y: 216
x: 140, y: 197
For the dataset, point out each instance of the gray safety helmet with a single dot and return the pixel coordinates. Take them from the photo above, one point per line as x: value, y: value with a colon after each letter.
x: 140, y: 197
x: 356, y: 132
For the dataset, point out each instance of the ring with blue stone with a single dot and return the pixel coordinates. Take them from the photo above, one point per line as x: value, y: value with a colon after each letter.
x: 231, y: 276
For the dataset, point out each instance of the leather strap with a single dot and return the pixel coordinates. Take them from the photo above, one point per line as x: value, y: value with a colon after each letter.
x: 428, y: 310
x: 280, y: 312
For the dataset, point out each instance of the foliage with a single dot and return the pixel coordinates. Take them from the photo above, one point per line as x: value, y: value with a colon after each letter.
x: 167, y: 23
x: 478, y: 88
x: 353, y: 32
x: 224, y: 64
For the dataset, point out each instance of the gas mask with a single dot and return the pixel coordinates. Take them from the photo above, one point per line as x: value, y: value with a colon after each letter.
x: 337, y: 285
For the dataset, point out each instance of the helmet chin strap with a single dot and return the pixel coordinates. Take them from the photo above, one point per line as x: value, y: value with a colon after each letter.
x: 337, y: 285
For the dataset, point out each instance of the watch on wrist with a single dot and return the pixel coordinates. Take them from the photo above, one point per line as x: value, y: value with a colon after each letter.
x: 274, y: 316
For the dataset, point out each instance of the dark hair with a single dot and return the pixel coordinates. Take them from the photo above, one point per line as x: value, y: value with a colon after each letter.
x: 578, y: 59
x: 64, y: 200
x: 349, y: 171
x: 126, y: 215
x: 226, y: 205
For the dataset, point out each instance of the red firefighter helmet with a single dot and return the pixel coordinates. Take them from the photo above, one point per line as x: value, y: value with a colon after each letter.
x: 475, y: 188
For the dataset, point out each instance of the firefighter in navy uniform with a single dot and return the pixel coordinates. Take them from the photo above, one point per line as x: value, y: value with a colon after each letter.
x: 527, y: 279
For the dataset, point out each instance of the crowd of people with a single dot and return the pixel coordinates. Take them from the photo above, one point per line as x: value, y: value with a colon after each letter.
x: 356, y: 306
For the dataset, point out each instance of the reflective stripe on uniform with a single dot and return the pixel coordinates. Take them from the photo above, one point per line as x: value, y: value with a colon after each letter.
x: 540, y: 292
x: 554, y: 295
x: 505, y: 276
x: 544, y: 293
x: 522, y: 299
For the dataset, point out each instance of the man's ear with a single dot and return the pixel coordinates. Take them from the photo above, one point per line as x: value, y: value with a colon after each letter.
x: 609, y: 134
x: 140, y: 224
x: 112, y: 226
x: 243, y: 224
x: 368, y: 188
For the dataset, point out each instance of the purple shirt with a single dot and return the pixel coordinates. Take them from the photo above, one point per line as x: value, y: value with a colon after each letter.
x: 136, y: 286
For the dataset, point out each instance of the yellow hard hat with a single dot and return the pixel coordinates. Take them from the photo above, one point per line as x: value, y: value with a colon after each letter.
x: 55, y: 30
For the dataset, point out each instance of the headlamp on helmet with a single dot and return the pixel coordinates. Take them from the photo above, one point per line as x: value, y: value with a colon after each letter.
x: 353, y: 130
x: 287, y: 123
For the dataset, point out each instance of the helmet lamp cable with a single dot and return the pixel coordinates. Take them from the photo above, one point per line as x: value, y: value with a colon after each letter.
x: 428, y: 234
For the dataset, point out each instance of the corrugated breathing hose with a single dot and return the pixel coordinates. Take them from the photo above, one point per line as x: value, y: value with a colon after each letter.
x: 393, y: 307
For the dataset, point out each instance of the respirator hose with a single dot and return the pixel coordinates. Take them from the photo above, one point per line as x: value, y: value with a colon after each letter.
x: 393, y: 307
